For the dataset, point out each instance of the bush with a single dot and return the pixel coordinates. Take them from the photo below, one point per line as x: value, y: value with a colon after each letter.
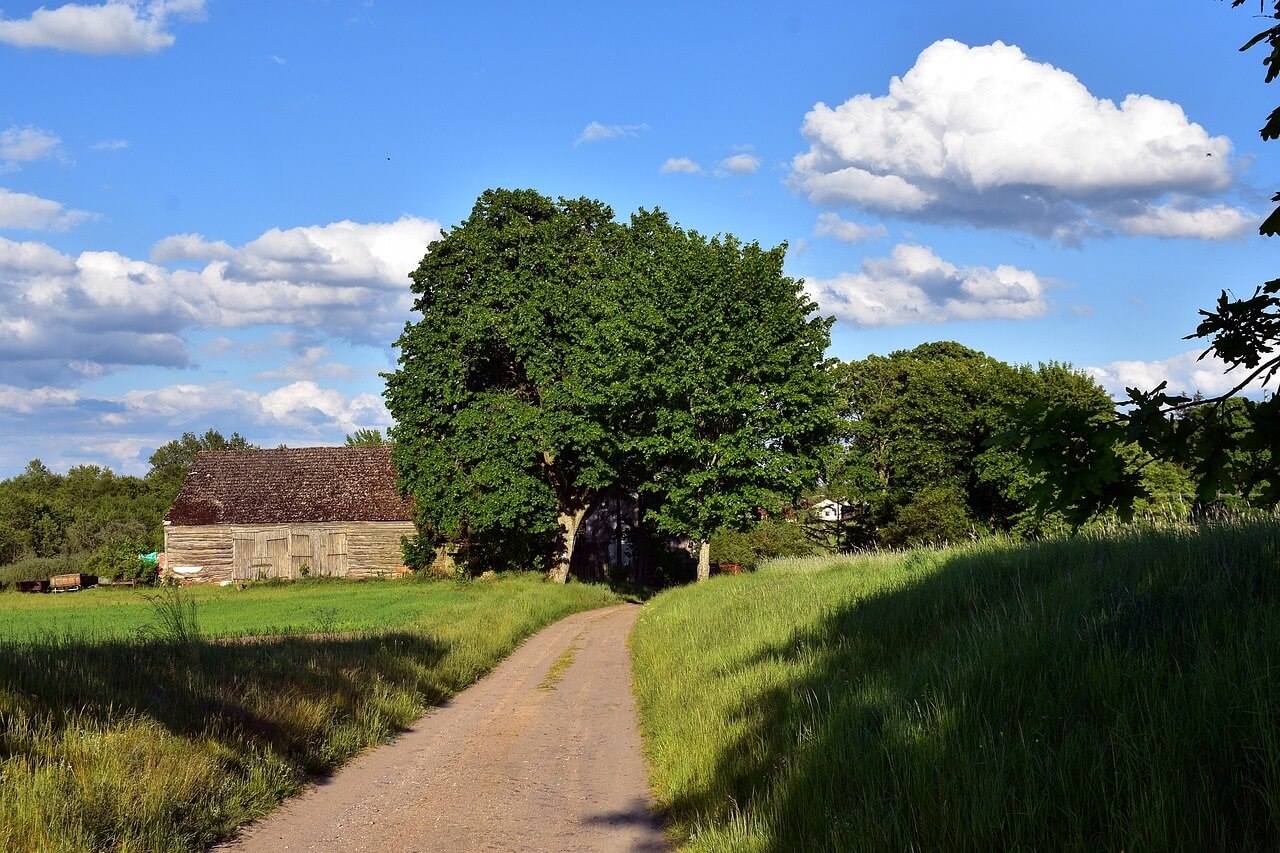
x: 935, y: 515
x: 119, y: 560
x: 39, y: 568
x: 765, y: 540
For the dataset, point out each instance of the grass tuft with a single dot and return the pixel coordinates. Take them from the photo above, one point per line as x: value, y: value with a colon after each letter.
x: 556, y: 672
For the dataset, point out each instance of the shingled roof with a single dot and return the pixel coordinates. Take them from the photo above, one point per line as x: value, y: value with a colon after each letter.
x: 292, y: 485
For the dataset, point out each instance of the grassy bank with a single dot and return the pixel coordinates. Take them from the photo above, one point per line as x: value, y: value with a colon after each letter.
x: 1095, y: 694
x: 112, y: 742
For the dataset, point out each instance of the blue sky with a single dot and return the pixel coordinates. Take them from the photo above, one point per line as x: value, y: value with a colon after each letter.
x: 208, y: 209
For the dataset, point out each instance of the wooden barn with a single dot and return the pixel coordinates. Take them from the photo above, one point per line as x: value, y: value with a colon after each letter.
x: 288, y: 513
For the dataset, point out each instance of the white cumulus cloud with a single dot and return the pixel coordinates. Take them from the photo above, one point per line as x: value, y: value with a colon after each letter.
x: 680, y: 165
x: 914, y: 285
x: 23, y: 210
x: 118, y: 26
x: 25, y: 144
x: 833, y: 225
x: 304, y: 403
x: 1186, y: 373
x: 988, y: 137
x: 741, y: 164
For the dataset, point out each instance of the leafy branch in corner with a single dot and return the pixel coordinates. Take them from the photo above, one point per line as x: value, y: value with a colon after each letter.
x: 1085, y: 458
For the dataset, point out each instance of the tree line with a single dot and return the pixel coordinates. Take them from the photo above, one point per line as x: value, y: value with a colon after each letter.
x: 92, y: 518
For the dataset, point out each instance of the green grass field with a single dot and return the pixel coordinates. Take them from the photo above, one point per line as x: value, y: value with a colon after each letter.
x: 1104, y: 693
x: 300, y: 608
x: 113, y: 738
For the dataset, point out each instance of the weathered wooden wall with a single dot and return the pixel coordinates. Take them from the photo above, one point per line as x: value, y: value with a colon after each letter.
x: 227, y: 552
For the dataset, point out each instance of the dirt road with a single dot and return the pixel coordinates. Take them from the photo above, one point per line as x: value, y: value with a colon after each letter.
x: 541, y: 755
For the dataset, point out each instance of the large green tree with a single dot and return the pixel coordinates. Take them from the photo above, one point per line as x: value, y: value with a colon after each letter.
x: 740, y: 404
x: 563, y: 356
x: 502, y: 407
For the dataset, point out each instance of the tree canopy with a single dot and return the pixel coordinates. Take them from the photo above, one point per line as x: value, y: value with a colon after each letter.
x: 562, y: 355
x: 366, y: 437
x: 915, y: 443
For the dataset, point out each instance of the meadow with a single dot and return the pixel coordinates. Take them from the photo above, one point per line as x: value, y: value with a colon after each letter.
x: 310, y: 606
x: 124, y: 726
x: 1108, y: 692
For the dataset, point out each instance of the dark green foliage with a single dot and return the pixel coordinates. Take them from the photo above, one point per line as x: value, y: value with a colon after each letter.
x: 366, y: 437
x: 770, y: 538
x: 502, y: 400
x: 935, y: 515
x: 916, y: 438
x: 562, y: 355
x: 1230, y: 446
x: 737, y: 402
x: 43, y: 514
x: 119, y: 559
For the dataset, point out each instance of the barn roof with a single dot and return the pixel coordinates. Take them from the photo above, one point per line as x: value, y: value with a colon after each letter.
x: 290, y: 485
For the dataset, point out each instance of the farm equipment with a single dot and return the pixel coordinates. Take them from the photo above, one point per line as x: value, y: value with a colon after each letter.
x: 72, y: 582
x: 32, y: 586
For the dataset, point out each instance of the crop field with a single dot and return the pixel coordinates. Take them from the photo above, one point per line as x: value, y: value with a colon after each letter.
x: 125, y: 724
x: 1117, y: 692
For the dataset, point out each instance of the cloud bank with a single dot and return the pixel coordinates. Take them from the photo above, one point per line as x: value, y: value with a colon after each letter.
x: 988, y: 137
x: 64, y: 316
x: 1186, y: 374
x: 118, y: 26
x: 914, y: 285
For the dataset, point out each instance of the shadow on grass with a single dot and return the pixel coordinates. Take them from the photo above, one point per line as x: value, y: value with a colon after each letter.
x: 276, y: 697
x: 1088, y: 694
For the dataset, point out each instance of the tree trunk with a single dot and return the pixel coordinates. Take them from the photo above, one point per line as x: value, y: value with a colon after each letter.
x: 569, y: 524
x: 704, y: 560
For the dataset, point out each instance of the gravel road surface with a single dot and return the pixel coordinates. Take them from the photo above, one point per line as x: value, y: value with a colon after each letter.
x: 537, y: 756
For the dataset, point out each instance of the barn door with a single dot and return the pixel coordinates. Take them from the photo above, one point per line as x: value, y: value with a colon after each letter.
x: 242, y: 556
x: 335, y: 553
x: 275, y: 553
x: 257, y: 554
x: 301, y: 555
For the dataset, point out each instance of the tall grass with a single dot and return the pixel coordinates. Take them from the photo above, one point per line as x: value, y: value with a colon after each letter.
x: 167, y: 742
x: 1104, y: 693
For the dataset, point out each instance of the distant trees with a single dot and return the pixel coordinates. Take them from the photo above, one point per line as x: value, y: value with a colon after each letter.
x: 915, y: 451
x: 171, y: 460
x: 367, y: 438
x: 562, y: 355
x: 43, y: 514
x: 93, y: 514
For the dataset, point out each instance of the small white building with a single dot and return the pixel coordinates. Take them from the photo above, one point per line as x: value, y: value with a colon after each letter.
x: 829, y: 510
